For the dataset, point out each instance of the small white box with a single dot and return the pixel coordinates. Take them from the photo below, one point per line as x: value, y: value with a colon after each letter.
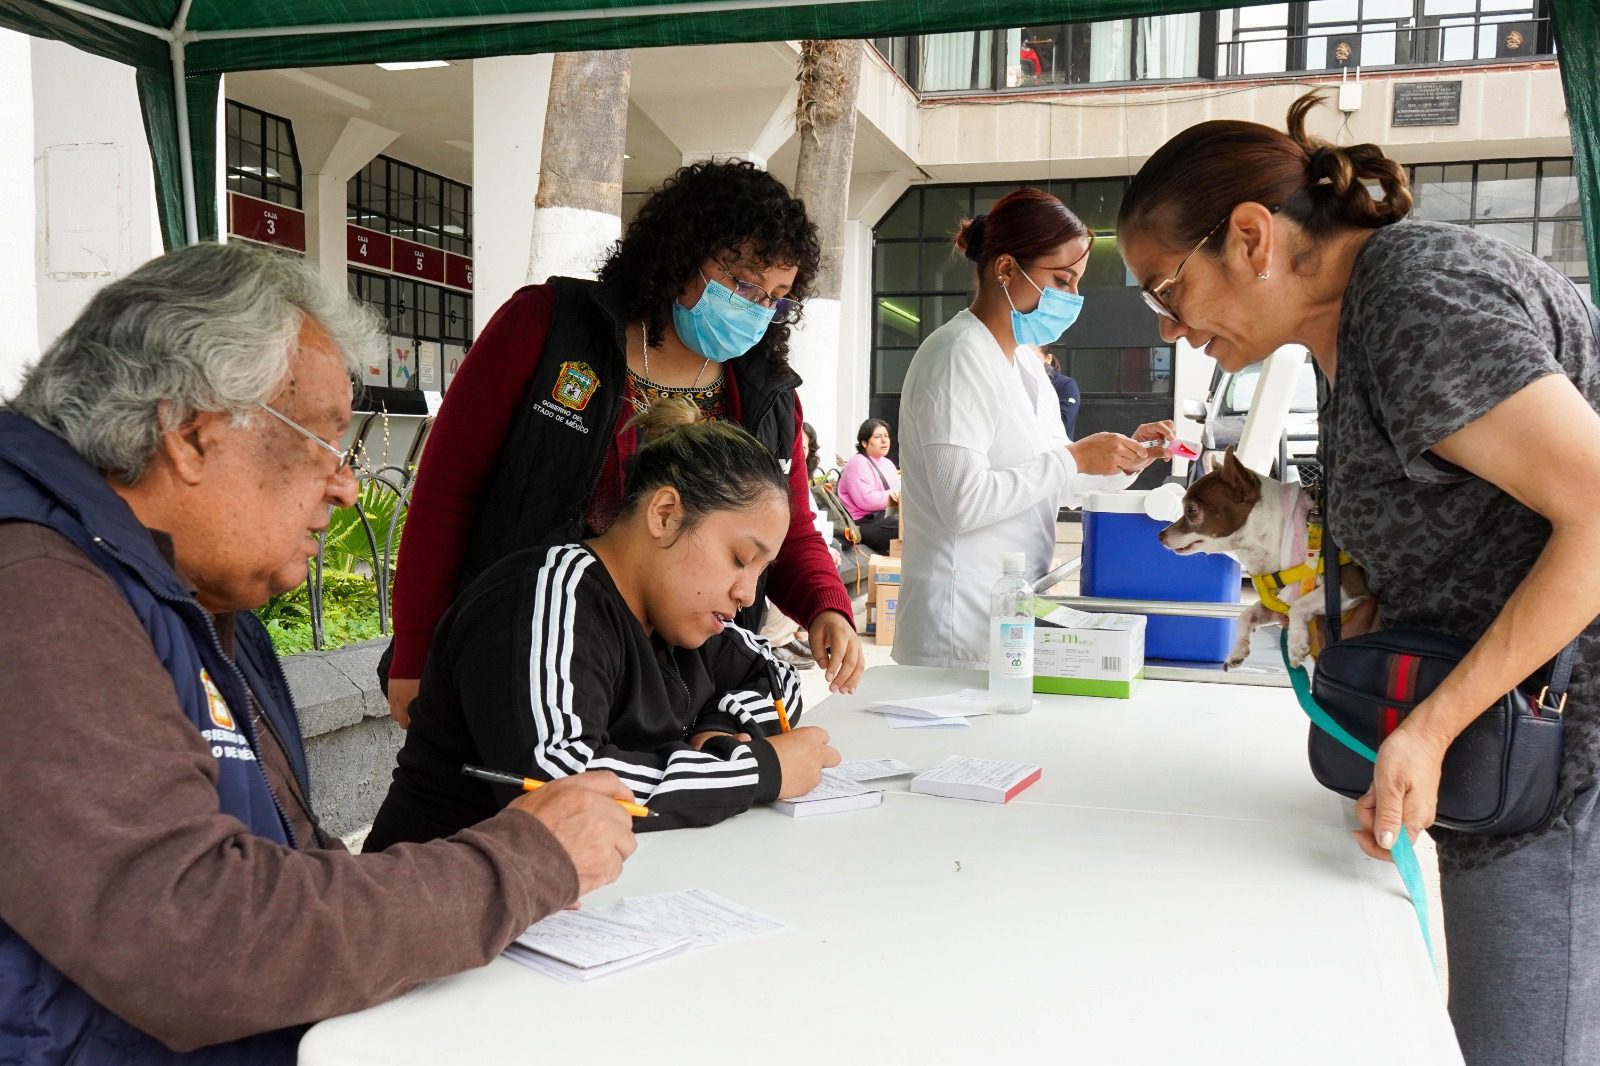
x: 1094, y: 655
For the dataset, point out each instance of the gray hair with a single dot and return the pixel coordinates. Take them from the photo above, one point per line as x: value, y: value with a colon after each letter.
x: 210, y: 327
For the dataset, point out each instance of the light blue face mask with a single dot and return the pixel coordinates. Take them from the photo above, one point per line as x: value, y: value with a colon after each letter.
x: 722, y: 325
x: 1045, y: 324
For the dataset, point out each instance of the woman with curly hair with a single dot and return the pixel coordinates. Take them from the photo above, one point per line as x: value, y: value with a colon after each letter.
x: 533, y: 440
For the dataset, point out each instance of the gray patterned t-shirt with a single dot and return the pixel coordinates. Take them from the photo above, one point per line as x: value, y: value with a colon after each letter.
x: 1439, y: 325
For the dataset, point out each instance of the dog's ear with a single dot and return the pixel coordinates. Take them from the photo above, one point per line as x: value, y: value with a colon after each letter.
x: 1240, y: 476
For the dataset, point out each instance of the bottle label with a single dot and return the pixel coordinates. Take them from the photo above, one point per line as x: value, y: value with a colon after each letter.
x: 1011, y: 649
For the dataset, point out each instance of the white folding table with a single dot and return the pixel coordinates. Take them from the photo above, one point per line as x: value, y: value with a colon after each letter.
x: 1175, y: 889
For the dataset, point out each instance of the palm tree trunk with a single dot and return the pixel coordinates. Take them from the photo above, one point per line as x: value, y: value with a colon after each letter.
x: 578, y: 210
x: 825, y: 118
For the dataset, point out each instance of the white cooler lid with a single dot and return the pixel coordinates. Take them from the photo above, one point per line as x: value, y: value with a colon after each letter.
x: 1127, y: 501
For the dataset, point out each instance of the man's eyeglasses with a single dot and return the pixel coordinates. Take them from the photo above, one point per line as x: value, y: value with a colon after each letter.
x: 346, y: 458
x: 1154, y: 299
x: 783, y: 309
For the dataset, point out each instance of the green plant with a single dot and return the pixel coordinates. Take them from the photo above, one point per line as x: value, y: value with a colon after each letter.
x: 346, y: 547
x: 349, y: 613
x: 349, y: 580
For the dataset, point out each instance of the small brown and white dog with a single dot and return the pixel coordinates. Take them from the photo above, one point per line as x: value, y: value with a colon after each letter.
x: 1262, y: 523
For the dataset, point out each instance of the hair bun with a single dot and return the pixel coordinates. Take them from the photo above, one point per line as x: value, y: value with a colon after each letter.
x: 969, y: 238
x: 666, y: 414
x: 1317, y: 165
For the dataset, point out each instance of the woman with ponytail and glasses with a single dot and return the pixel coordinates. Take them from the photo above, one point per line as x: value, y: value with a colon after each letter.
x: 696, y: 301
x: 986, y: 462
x: 1463, y: 447
x: 620, y: 652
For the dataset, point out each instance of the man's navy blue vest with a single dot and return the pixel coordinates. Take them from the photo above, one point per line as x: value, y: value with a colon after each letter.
x: 44, y: 1016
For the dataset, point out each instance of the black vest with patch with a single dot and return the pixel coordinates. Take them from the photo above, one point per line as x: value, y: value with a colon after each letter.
x: 556, y: 449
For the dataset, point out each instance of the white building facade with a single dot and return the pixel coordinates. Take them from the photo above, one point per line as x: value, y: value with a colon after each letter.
x: 416, y: 187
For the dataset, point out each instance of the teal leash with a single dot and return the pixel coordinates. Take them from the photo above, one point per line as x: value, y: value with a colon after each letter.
x: 1405, y: 855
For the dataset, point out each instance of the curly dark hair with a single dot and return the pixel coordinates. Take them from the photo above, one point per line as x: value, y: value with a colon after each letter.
x: 702, y: 210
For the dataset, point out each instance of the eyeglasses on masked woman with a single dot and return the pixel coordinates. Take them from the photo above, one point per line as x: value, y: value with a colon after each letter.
x: 784, y: 310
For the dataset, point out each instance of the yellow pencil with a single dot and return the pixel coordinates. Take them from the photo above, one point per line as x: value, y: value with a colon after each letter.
x: 783, y: 717
x: 528, y: 784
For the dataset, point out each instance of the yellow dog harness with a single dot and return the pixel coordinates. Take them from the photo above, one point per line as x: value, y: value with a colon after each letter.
x: 1302, y: 576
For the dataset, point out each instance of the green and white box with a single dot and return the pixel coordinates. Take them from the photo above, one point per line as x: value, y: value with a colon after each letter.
x: 1080, y: 654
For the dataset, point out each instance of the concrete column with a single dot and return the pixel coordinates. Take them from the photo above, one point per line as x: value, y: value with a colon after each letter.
x: 19, y: 291
x: 93, y: 183
x: 509, y: 94
x: 324, y: 196
x: 331, y: 154
x: 853, y: 376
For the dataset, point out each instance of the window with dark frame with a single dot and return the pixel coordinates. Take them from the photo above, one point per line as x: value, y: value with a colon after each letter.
x: 1531, y: 203
x: 418, y: 205
x: 919, y: 282
x: 260, y: 155
x: 1233, y: 42
x: 411, y: 203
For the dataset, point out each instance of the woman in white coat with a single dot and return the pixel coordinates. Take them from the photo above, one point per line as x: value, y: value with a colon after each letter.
x: 986, y: 462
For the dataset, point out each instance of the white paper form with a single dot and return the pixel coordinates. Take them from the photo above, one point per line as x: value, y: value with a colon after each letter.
x: 958, y: 704
x: 979, y: 773
x: 834, y: 785
x: 870, y: 769
x: 901, y: 721
x: 573, y: 975
x: 590, y: 938
x: 696, y: 913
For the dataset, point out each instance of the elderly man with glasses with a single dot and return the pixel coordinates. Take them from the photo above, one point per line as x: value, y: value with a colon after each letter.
x: 167, y: 893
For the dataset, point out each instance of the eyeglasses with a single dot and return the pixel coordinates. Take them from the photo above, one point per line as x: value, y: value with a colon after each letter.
x: 346, y: 458
x: 1153, y: 298
x: 783, y: 310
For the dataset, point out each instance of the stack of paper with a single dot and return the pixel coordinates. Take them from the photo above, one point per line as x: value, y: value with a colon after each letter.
x: 987, y: 780
x: 703, y: 916
x: 949, y: 709
x: 872, y: 769
x: 581, y: 945
x: 834, y: 793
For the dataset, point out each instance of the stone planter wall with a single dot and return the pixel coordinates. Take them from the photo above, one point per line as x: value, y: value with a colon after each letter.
x: 350, y: 739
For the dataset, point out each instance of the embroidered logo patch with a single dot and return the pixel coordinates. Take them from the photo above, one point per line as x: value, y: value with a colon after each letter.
x: 218, y: 706
x: 575, y: 385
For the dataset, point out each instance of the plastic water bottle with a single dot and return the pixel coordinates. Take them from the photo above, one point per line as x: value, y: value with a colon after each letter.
x: 1011, y: 638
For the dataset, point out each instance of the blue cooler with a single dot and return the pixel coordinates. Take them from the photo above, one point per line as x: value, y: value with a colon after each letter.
x: 1123, y: 559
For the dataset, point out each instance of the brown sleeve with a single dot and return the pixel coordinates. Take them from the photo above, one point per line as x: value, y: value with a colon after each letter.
x: 121, y: 870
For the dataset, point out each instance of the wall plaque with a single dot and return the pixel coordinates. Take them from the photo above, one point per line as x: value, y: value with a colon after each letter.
x: 1427, y: 103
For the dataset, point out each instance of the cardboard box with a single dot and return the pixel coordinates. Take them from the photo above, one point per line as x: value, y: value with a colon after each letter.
x: 1089, y: 655
x: 881, y: 570
x: 894, y: 548
x: 885, y: 604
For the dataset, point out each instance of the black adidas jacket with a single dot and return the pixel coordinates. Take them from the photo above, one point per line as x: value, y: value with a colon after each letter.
x: 540, y: 669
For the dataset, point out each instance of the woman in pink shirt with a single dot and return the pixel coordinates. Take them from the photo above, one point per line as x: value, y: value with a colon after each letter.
x: 870, y: 483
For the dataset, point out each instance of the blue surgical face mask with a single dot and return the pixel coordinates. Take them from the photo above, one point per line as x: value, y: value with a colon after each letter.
x: 722, y: 325
x: 1045, y: 324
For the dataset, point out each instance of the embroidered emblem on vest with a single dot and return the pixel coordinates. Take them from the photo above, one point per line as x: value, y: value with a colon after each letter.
x: 214, y: 701
x: 575, y: 385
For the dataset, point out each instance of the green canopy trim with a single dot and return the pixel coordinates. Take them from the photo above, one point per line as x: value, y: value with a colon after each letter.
x: 1578, y: 31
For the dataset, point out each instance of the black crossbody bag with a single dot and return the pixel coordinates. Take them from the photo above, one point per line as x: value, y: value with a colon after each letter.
x: 1500, y: 776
